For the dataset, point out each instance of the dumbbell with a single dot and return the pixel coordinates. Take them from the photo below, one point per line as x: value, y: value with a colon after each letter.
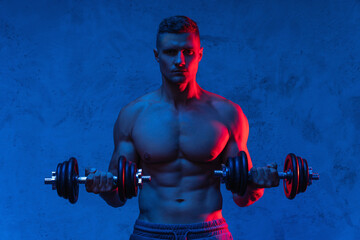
x: 66, y: 179
x: 296, y: 177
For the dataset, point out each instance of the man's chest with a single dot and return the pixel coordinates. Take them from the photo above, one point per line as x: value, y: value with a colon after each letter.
x: 162, y: 134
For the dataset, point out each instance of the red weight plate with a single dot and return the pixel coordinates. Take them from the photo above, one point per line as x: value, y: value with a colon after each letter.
x: 291, y: 185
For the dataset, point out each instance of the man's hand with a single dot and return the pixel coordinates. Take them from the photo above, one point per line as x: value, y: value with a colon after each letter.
x: 98, y: 182
x: 264, y: 177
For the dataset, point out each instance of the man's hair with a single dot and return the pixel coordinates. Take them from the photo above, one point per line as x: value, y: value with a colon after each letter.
x: 177, y: 24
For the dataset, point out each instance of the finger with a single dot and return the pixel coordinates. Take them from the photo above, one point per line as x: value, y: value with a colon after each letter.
x: 89, y: 170
x: 267, y: 172
x: 272, y: 165
x: 96, y: 190
x: 110, y: 182
x: 268, y: 177
x: 97, y: 179
x: 277, y: 178
x: 261, y: 172
x: 274, y: 172
x: 96, y: 184
x: 104, y: 181
x: 89, y: 182
x: 254, y: 172
x: 262, y: 176
x: 273, y: 176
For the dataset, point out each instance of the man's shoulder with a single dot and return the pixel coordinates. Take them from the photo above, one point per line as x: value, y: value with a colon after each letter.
x: 130, y: 112
x: 133, y: 108
x: 224, y: 106
x: 232, y: 114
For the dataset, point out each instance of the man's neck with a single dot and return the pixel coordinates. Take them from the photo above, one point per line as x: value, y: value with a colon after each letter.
x: 180, y: 94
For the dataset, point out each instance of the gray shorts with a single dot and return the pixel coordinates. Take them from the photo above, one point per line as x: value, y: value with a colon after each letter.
x: 212, y: 230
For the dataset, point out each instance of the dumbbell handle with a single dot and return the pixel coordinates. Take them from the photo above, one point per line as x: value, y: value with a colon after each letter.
x: 282, y: 175
x: 288, y: 175
x: 224, y: 173
x: 82, y: 180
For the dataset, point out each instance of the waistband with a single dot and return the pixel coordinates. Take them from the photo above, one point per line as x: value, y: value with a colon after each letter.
x: 181, y: 231
x: 217, y: 223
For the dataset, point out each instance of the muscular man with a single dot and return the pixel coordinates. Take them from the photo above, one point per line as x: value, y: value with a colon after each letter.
x: 179, y: 134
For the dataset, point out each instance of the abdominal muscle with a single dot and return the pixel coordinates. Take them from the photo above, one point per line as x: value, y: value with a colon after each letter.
x: 185, y: 193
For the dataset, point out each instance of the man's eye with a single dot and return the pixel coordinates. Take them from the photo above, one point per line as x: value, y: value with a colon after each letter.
x: 171, y: 52
x: 188, y: 52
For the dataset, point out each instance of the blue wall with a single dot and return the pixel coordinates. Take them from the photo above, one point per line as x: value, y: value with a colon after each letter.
x: 68, y: 67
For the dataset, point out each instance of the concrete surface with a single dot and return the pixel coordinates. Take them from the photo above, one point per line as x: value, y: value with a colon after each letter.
x: 68, y: 67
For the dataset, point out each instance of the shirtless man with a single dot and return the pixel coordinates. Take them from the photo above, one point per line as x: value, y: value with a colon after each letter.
x: 179, y: 134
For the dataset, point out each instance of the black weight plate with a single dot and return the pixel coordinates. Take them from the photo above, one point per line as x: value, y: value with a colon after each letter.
x: 291, y: 184
x: 229, y: 179
x: 128, y: 184
x: 304, y: 173
x: 306, y: 170
x: 69, y: 183
x: 226, y: 180
x: 133, y: 177
x: 244, y: 172
x: 136, y: 181
x: 76, y: 186
x: 64, y: 179
x: 127, y: 187
x: 73, y: 185
x: 301, y: 174
x: 120, y: 178
x: 58, y: 176
x: 125, y: 180
x: 232, y: 175
x: 237, y: 175
x: 128, y: 181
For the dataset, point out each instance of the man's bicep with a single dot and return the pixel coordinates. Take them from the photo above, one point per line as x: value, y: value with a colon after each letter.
x: 238, y: 142
x: 239, y: 133
x: 123, y: 148
x: 123, y: 143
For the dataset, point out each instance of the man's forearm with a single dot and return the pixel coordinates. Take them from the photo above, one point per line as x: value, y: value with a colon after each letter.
x: 112, y: 198
x: 251, y: 195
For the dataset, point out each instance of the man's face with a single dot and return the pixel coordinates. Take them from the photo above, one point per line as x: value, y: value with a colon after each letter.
x: 179, y: 55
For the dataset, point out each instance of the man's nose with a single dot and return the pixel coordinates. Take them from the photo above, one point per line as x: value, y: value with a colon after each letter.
x: 180, y: 59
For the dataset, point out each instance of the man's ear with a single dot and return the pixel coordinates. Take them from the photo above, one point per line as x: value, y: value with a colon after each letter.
x: 200, y: 53
x: 156, y: 54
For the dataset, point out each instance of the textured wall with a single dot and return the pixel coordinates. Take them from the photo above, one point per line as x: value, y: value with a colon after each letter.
x: 68, y: 67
